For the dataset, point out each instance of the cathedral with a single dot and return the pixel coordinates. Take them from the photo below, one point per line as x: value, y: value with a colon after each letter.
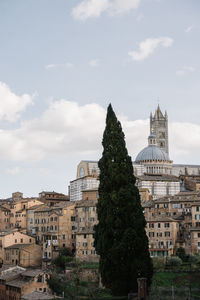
x: 153, y: 168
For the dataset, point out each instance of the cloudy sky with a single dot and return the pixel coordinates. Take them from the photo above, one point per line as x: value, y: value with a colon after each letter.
x: 62, y: 62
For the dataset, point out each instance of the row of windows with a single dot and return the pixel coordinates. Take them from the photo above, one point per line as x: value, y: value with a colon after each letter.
x: 166, y: 233
x: 166, y: 225
x: 85, y: 252
x: 43, y: 228
x: 85, y: 244
x: 89, y: 219
x: 43, y: 221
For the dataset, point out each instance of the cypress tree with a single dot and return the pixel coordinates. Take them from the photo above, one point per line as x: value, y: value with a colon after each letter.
x: 120, y: 236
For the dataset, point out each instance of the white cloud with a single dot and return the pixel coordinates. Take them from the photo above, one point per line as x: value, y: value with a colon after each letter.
x: 148, y: 46
x: 68, y: 128
x: 189, y: 29
x: 94, y: 63
x: 11, y: 105
x: 54, y: 66
x: 183, y: 70
x: 14, y: 171
x: 94, y: 8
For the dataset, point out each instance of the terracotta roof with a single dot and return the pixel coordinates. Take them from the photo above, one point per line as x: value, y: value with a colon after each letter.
x: 32, y: 272
x: 11, y: 272
x: 18, y: 283
x: 17, y: 246
x: 86, y: 203
x: 161, y: 219
x: 35, y: 206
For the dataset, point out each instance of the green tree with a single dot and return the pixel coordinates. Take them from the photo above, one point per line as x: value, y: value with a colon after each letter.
x: 120, y: 236
x: 181, y: 253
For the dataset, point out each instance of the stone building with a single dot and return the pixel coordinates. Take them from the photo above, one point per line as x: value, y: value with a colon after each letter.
x: 183, y: 210
x: 16, y: 282
x: 86, y: 218
x: 162, y: 232
x: 52, y: 198
x: 24, y: 255
x: 18, y: 206
x: 9, y: 238
x: 159, y: 126
x: 54, y: 227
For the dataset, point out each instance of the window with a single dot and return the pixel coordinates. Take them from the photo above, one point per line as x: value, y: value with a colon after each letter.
x: 158, y: 225
x: 84, y: 244
x: 63, y: 236
x: 151, y: 234
x: 21, y: 240
x: 15, y: 241
x: 51, y: 219
x: 73, y: 218
x: 92, y: 251
x: 167, y: 225
x: 30, y: 240
x: 84, y: 252
x: 198, y: 234
x: 85, y: 235
x: 151, y: 225
x: 159, y: 234
x: 51, y: 227
x: 198, y: 244
x: 165, y: 205
x: 56, y: 227
x: 197, y: 208
x: 157, y: 205
x: 167, y: 233
x: 73, y: 236
x: 73, y: 227
x: 55, y: 219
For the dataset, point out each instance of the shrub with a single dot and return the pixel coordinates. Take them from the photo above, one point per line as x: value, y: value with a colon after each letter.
x: 174, y: 261
x: 158, y: 262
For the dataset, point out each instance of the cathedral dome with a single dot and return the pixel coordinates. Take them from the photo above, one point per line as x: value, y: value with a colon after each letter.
x: 152, y: 153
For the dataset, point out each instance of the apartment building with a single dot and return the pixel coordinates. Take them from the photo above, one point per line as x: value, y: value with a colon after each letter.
x: 54, y: 227
x: 86, y: 218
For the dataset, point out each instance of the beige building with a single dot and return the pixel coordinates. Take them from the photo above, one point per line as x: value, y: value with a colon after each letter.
x: 24, y: 255
x: 54, y: 228
x: 52, y: 198
x: 10, y: 238
x: 86, y: 218
x: 184, y: 209
x: 18, y: 207
x: 162, y: 233
x: 4, y: 217
x: 16, y: 282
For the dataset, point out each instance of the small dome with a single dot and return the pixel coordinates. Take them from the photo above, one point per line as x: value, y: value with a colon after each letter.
x: 152, y: 152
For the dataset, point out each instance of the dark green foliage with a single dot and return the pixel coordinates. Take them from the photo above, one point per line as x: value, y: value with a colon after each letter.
x: 120, y: 237
x: 181, y: 253
x: 55, y: 284
x: 65, y: 257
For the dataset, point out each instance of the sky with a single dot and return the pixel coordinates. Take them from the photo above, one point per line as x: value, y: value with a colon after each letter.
x: 61, y: 64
